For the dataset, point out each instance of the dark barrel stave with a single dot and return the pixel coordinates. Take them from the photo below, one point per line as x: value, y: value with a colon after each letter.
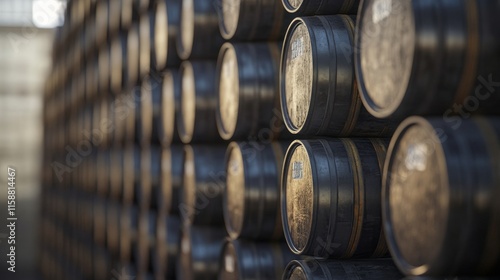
x: 331, y: 193
x: 319, y: 95
x: 438, y: 200
x: 248, y: 90
x: 321, y: 7
x: 252, y: 195
x: 203, y: 185
x: 447, y: 62
x: 373, y: 269
x: 197, y: 120
x: 241, y: 20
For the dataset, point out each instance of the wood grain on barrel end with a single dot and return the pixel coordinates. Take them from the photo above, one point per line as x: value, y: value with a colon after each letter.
x: 188, y: 103
x: 228, y: 74
x: 228, y: 21
x: 234, y: 200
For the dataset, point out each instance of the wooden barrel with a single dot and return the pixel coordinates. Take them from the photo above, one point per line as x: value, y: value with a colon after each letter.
x: 447, y: 59
x: 126, y: 14
x: 113, y: 228
x: 196, y: 122
x: 167, y: 17
x: 128, y: 232
x: 133, y: 55
x: 199, y: 252
x: 171, y: 179
x: 240, y: 259
x: 146, y: 43
x: 319, y: 95
x: 114, y: 17
x: 149, y: 177
x: 331, y: 192
x: 247, y: 86
x: 99, y: 222
x: 170, y: 107
x: 439, y: 186
x: 119, y: 112
x: 252, y: 194
x: 203, y: 185
x: 118, y: 52
x: 321, y: 7
x: 146, y: 241
x: 167, y: 246
x: 102, y: 172
x: 198, y: 35
x: 131, y: 173
x: 373, y: 269
x: 132, y: 107
x: 241, y: 20
x: 151, y: 91
x: 101, y: 22
x: 104, y: 63
x: 116, y: 173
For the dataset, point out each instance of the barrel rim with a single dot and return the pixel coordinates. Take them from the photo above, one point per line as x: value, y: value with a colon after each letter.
x: 282, y: 86
x: 224, y: 132
x: 284, y: 217
x: 369, y: 104
x: 184, y: 51
x: 222, y: 26
x: 392, y: 245
x: 161, y: 16
x: 291, y: 266
x: 288, y: 7
x: 232, y: 232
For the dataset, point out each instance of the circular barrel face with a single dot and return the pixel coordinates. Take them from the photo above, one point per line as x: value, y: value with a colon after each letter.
x: 187, y: 29
x: 230, y: 18
x: 416, y: 195
x: 298, y: 196
x: 298, y: 274
x: 132, y: 54
x: 386, y: 45
x: 189, y: 187
x: 292, y: 5
x: 228, y: 92
x: 168, y: 106
x: 161, y: 34
x: 166, y: 181
x: 145, y: 44
x: 298, y: 75
x: 229, y: 263
x: 188, y: 103
x: 235, y: 191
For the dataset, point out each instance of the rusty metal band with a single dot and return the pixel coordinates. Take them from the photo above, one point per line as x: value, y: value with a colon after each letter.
x: 472, y: 51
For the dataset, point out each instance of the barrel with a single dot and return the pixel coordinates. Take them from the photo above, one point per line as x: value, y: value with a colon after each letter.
x: 99, y: 222
x: 146, y: 43
x: 319, y: 95
x: 116, y: 173
x: 119, y: 112
x: 439, y: 186
x: 131, y: 173
x: 167, y: 246
x: 114, y: 17
x: 330, y: 198
x: 240, y: 259
x: 149, y: 180
x: 252, y: 194
x: 203, y: 185
x: 171, y: 179
x: 101, y: 22
x: 146, y: 241
x: 133, y: 55
x: 118, y: 52
x: 321, y: 7
x: 104, y: 63
x: 170, y: 107
x: 151, y: 91
x: 198, y: 35
x: 373, y: 269
x: 126, y: 14
x: 447, y: 58
x: 241, y: 20
x: 102, y: 172
x: 113, y: 228
x: 167, y: 18
x: 199, y: 252
x: 132, y: 113
x: 196, y: 122
x: 248, y: 93
x: 128, y: 232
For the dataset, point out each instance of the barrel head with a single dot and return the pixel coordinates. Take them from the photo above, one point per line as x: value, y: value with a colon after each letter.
x: 188, y: 103
x: 144, y: 44
x: 185, y: 44
x: 385, y: 47
x: 227, y: 115
x: 298, y: 195
x: 161, y: 34
x: 234, y: 199
x: 188, y: 199
x: 292, y: 5
x: 228, y: 22
x: 229, y: 269
x: 146, y: 111
x: 416, y: 195
x: 132, y: 55
x: 297, y: 72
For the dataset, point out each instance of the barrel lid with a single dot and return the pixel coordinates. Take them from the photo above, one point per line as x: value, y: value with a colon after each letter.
x: 235, y: 191
x: 189, y: 185
x: 299, y: 196
x: 416, y: 196
x: 229, y: 263
x: 132, y: 54
x: 144, y: 44
x: 161, y: 34
x: 116, y: 64
x: 188, y: 103
x: 167, y: 107
x: 146, y: 110
x: 185, y: 44
x: 384, y: 62
x: 297, y: 273
x: 292, y: 5
x: 297, y: 70
x: 228, y: 22
x: 228, y: 91
x: 166, y: 191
